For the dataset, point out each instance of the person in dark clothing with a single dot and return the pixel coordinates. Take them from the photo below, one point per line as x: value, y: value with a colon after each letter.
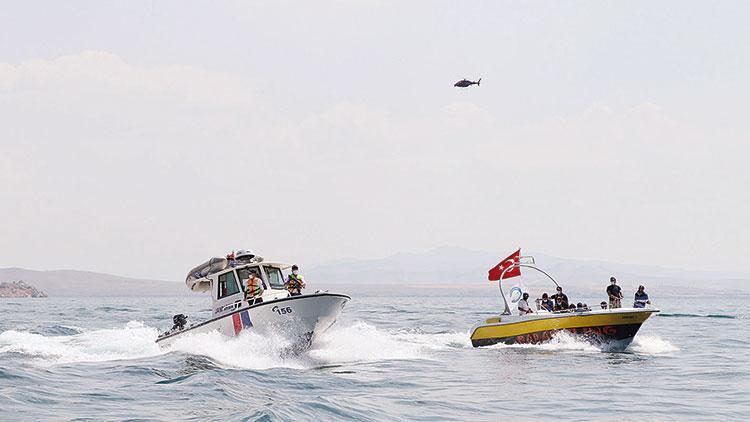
x: 561, y: 300
x: 615, y: 293
x: 546, y: 303
x: 641, y: 298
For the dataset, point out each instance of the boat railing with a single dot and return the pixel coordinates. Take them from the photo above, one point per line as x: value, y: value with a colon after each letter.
x: 523, y: 262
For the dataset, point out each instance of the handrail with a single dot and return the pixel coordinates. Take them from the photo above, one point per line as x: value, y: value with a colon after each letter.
x: 519, y: 265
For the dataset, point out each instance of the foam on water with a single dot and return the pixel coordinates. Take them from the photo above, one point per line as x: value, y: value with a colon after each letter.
x: 651, y: 345
x: 561, y: 341
x: 358, y: 342
x: 247, y: 351
x: 361, y: 341
x: 134, y: 340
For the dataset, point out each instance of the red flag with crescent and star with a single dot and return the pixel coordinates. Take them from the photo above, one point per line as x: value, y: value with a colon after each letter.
x: 497, y: 270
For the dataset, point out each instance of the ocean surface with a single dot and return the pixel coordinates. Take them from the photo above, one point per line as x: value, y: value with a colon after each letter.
x: 387, y: 358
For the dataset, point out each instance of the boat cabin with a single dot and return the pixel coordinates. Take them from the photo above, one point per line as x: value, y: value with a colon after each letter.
x: 226, y: 281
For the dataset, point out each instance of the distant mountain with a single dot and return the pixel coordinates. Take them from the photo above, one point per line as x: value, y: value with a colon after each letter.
x: 439, y: 271
x: 447, y: 267
x: 86, y: 283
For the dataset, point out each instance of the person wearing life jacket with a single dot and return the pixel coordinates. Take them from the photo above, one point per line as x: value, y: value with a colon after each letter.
x: 295, y: 283
x: 253, y: 289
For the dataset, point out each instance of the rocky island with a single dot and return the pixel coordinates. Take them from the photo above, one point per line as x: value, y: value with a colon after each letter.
x: 19, y: 289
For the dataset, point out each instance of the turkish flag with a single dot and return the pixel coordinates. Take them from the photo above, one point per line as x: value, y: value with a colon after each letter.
x: 498, y: 269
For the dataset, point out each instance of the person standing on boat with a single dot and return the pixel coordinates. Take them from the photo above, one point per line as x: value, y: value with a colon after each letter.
x: 253, y: 289
x: 615, y: 293
x: 561, y: 300
x: 641, y: 298
x: 295, y: 283
x: 523, y: 305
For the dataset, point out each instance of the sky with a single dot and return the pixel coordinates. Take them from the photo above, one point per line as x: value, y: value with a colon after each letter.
x: 141, y: 138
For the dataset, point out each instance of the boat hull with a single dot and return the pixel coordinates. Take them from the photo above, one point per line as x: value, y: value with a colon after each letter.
x: 299, y: 319
x: 613, y: 328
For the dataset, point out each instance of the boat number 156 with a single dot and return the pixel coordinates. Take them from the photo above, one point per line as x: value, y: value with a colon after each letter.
x: 282, y: 311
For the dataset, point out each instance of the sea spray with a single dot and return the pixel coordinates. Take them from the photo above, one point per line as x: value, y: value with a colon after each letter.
x: 249, y: 350
x: 651, y: 345
x: 134, y: 340
x: 561, y: 341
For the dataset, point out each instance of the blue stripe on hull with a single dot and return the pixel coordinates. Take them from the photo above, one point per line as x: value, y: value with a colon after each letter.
x: 245, y: 319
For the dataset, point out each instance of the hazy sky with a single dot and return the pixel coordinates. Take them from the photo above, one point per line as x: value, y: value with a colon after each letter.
x: 141, y: 138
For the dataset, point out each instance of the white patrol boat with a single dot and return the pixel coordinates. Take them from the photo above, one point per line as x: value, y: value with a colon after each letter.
x: 298, y: 318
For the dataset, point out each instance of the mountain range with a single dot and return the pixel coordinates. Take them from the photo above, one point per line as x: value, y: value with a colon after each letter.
x: 443, y: 270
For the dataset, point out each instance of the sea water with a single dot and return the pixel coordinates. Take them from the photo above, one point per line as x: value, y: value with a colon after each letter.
x: 387, y: 358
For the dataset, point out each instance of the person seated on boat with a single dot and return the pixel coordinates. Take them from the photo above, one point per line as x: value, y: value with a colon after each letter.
x: 641, y: 298
x: 615, y: 293
x: 253, y: 288
x: 546, y: 303
x: 603, y: 305
x: 561, y: 300
x: 523, y: 305
x: 580, y: 307
x: 572, y: 308
x: 294, y: 283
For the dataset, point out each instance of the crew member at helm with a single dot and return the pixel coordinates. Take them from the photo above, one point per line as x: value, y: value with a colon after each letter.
x: 253, y: 289
x: 615, y: 293
x: 295, y: 283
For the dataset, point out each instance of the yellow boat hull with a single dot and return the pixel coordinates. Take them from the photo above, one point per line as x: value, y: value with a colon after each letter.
x: 617, y: 326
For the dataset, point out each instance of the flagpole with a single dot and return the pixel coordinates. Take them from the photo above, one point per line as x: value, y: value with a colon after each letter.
x: 499, y: 285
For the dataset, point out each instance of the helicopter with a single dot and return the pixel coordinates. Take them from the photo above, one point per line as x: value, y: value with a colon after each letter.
x: 463, y: 83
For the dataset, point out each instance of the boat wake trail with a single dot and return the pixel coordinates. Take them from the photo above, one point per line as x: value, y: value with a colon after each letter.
x: 651, y: 345
x: 133, y: 341
x: 564, y: 341
x: 357, y: 342
x: 361, y: 341
x: 678, y: 315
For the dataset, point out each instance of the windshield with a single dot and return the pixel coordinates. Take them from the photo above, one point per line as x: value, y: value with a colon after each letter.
x: 275, y: 278
x: 244, y: 274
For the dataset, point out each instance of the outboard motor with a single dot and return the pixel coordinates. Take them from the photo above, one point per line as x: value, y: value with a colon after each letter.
x: 179, y: 321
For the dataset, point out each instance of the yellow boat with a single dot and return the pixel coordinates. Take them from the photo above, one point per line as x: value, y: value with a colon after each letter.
x: 613, y: 328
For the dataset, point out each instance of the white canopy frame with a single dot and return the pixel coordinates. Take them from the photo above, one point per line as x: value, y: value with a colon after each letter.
x: 518, y: 264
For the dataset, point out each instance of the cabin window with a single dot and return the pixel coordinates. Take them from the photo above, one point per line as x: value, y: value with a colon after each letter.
x: 244, y: 274
x: 275, y: 278
x: 227, y: 285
